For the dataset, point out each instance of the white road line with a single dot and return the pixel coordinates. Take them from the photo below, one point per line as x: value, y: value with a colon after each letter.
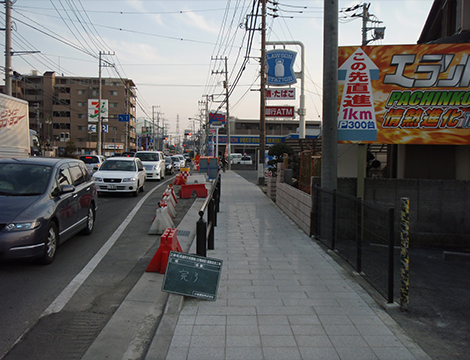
x: 64, y: 297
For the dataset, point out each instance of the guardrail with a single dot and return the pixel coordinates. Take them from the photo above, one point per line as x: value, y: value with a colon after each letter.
x: 205, y: 228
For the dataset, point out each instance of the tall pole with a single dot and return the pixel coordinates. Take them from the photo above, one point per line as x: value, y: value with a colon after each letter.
x: 228, y: 115
x: 8, y: 47
x: 262, y: 116
x: 100, y: 125
x: 329, y: 164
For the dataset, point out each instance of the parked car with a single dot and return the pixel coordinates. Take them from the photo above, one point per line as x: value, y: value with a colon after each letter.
x: 176, y: 162
x: 246, y: 160
x: 169, y: 168
x: 154, y: 163
x: 121, y: 175
x: 44, y: 202
x: 235, y: 158
x: 92, y: 161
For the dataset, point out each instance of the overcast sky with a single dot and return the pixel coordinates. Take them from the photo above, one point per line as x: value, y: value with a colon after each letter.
x: 172, y: 49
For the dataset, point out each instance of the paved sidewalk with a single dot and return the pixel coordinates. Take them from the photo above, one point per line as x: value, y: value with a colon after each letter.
x: 280, y: 297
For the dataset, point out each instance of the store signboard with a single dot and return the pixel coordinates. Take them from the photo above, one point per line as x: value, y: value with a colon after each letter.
x: 404, y: 94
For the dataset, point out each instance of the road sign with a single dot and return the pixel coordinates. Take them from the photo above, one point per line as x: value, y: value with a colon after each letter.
x: 192, y: 275
x: 280, y: 67
x: 92, y: 128
x: 124, y: 117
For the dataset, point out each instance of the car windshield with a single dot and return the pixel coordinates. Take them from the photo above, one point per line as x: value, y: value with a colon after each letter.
x: 24, y: 179
x: 90, y: 159
x: 147, y: 156
x: 168, y: 160
x: 118, y: 165
x: 175, y: 158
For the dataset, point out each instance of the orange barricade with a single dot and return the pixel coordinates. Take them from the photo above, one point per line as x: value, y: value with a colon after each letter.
x: 168, y: 242
x: 187, y: 190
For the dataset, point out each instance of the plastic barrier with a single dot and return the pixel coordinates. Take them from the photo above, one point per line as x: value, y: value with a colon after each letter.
x: 161, y: 221
x: 168, y: 242
x: 187, y: 190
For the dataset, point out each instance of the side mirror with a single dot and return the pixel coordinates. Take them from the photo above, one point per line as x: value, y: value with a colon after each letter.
x: 65, y: 189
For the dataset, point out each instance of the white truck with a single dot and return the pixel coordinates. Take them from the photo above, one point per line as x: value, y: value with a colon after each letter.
x: 15, y: 137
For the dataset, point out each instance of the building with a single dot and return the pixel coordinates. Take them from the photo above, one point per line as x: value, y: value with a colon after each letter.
x: 58, y: 107
x: 244, y: 133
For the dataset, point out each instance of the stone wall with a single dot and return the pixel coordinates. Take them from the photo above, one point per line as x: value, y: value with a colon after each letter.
x: 295, y: 203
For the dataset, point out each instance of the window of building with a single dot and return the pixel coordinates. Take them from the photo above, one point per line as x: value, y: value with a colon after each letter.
x: 238, y: 126
x: 115, y: 84
x: 82, y: 128
x: 81, y: 92
x: 113, y: 105
x: 61, y: 114
x: 61, y: 125
x: 95, y: 92
x: 82, y: 116
x: 64, y: 136
x: 82, y: 103
x: 113, y: 93
x: 248, y: 127
x: 112, y: 116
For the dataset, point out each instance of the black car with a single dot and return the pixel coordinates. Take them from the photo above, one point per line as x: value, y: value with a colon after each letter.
x: 44, y: 201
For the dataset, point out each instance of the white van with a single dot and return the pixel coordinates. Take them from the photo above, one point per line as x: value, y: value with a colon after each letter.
x: 154, y: 163
x: 235, y: 158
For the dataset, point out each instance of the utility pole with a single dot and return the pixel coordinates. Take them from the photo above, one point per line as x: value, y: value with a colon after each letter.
x: 262, y: 117
x: 8, y: 47
x: 100, y: 105
x: 227, y: 122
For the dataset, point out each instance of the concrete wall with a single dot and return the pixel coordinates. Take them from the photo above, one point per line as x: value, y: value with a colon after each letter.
x: 439, y: 209
x: 295, y: 203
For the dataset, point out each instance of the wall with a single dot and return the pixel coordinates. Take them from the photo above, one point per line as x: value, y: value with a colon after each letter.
x: 438, y: 208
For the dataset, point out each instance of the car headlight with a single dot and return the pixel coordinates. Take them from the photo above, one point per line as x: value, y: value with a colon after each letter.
x: 97, y: 178
x: 26, y: 225
x: 129, y: 179
x: 154, y: 167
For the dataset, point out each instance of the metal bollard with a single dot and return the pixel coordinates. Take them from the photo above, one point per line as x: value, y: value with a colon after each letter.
x: 212, y: 218
x: 201, y: 230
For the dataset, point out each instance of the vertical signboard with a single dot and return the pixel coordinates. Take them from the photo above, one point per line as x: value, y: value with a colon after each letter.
x: 94, y: 109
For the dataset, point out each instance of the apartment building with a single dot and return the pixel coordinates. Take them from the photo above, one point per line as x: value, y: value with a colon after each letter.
x: 58, y: 111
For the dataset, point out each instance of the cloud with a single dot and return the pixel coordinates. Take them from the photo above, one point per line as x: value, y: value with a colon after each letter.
x: 198, y: 21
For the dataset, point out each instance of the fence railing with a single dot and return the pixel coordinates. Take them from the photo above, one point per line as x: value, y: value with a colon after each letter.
x: 205, y: 228
x: 361, y: 233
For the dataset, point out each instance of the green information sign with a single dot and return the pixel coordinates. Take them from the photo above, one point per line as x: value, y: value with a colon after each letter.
x: 192, y: 275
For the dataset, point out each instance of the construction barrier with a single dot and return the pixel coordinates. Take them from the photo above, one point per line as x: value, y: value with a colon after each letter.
x: 161, y: 221
x: 184, y: 172
x: 187, y: 190
x: 168, y: 242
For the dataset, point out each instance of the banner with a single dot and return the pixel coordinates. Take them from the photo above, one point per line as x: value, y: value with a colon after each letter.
x: 93, y: 110
x: 404, y: 94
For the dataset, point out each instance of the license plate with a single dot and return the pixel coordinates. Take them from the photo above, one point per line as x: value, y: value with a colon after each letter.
x: 112, y: 187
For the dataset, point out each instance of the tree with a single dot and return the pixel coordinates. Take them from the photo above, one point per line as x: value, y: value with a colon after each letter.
x: 277, y: 152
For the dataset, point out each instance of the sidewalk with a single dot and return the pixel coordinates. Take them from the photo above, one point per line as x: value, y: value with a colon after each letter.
x: 280, y: 297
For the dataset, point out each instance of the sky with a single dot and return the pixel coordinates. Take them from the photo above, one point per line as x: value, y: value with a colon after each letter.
x: 174, y: 50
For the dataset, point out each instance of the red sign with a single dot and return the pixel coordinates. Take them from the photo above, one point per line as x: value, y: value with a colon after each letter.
x: 280, y: 111
x: 280, y: 94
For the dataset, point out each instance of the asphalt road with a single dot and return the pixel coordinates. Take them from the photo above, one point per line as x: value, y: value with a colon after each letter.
x: 438, y: 317
x: 28, y: 290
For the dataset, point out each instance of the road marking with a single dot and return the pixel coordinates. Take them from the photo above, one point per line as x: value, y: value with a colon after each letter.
x: 64, y: 297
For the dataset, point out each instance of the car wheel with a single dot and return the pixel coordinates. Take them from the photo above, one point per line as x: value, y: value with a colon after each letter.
x: 51, y: 243
x: 90, y: 222
x: 136, y: 192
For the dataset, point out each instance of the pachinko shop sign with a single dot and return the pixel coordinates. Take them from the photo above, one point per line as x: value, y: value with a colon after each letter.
x: 404, y: 94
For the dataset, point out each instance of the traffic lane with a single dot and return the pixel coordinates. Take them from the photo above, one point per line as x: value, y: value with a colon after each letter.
x: 72, y: 330
x: 28, y: 289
